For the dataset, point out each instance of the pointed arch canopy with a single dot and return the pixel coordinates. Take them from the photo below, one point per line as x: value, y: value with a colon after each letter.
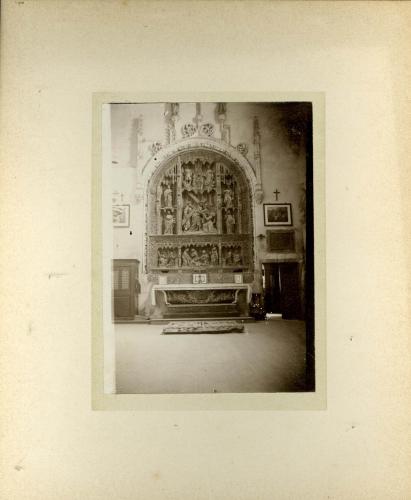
x: 208, y: 144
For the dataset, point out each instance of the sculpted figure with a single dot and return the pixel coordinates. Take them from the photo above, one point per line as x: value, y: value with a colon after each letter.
x: 186, y: 222
x: 205, y: 221
x: 168, y: 223
x: 162, y: 259
x: 221, y: 108
x: 208, y: 222
x: 211, y: 223
x: 194, y: 257
x: 188, y: 178
x: 159, y: 192
x: 228, y: 198
x: 214, y: 256
x: 229, y: 222
x: 209, y: 179
x: 174, y: 109
x: 172, y: 258
x: 168, y: 196
x: 185, y: 258
x: 198, y: 179
x: 195, y: 220
x: 237, y: 257
x: 204, y: 216
x: 228, y: 258
x: 204, y: 259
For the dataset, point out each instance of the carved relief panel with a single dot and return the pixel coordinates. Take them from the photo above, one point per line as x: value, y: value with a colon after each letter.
x: 199, y: 197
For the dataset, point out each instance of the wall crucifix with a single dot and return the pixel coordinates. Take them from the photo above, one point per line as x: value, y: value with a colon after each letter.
x: 276, y: 192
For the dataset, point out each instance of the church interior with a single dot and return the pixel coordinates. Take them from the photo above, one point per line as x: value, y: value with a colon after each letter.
x: 212, y: 248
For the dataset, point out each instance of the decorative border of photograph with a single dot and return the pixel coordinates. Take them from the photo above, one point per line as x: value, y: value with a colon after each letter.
x: 121, y: 215
x: 277, y: 214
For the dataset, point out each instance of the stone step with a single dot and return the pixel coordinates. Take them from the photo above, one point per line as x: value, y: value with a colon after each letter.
x: 162, y: 321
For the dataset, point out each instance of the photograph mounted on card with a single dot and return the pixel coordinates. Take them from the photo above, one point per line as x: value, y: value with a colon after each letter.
x: 198, y: 207
x: 277, y: 214
x: 121, y: 215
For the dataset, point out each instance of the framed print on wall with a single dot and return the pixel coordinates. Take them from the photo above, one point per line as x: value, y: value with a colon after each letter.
x: 280, y: 240
x: 277, y: 214
x: 121, y: 215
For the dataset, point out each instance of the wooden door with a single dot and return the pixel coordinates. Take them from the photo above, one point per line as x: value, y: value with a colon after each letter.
x: 272, y: 292
x: 124, y: 288
x: 290, y: 290
x: 282, y: 289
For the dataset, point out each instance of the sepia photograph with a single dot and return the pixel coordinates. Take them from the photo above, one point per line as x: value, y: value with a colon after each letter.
x: 202, y: 299
x: 205, y: 250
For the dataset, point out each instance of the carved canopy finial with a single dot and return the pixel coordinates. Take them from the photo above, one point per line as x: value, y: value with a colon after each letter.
x: 257, y: 158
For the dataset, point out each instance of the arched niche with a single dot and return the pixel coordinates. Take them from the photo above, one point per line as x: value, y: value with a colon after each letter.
x: 199, y: 215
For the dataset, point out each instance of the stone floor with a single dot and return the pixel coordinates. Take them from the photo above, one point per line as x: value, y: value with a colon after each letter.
x: 270, y: 357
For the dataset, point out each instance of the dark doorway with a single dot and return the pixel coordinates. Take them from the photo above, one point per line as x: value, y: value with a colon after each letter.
x: 282, y: 289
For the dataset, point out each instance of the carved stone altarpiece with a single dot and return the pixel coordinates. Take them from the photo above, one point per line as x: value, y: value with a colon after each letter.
x: 199, y: 215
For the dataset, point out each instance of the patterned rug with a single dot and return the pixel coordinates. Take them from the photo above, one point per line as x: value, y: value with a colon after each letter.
x: 175, y: 327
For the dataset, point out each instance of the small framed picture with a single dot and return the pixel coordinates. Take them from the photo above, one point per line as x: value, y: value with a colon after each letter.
x: 238, y: 278
x: 121, y: 215
x: 277, y: 214
x: 199, y: 279
x: 280, y: 240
